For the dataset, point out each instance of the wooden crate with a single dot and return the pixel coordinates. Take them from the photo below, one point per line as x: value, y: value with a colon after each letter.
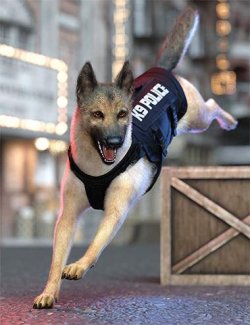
x: 205, y: 228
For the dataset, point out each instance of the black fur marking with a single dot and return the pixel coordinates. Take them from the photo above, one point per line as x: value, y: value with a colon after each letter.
x: 110, y: 95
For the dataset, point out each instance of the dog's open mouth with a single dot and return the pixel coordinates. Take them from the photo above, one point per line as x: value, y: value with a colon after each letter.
x: 108, y: 154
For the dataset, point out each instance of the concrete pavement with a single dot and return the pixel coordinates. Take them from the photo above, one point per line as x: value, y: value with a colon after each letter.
x: 123, y: 288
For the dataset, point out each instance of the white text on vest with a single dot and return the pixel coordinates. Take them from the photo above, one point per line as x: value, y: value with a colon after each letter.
x: 151, y: 99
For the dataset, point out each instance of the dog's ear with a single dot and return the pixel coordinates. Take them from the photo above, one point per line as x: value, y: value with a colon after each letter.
x: 86, y: 82
x: 125, y: 78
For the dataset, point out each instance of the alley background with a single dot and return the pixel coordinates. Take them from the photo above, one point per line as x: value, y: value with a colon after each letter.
x: 43, y: 45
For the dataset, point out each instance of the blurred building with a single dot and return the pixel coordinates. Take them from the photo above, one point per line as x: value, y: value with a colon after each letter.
x: 43, y: 45
x: 33, y: 134
x: 104, y: 32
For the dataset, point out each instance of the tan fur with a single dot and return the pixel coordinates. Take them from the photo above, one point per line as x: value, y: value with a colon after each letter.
x: 70, y: 208
x: 128, y: 187
x: 80, y: 137
x: 200, y: 114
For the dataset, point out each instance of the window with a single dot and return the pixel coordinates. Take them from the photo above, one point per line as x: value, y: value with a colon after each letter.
x: 4, y: 33
x: 23, y: 39
x: 16, y: 24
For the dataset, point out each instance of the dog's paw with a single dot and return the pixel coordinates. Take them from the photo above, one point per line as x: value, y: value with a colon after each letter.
x: 73, y: 271
x: 228, y: 125
x: 44, y: 301
x: 227, y: 122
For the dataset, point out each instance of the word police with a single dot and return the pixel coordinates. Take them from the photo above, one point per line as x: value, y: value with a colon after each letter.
x: 151, y: 99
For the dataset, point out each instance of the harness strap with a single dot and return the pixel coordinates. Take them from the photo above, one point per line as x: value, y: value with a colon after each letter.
x: 129, y: 159
x: 96, y: 186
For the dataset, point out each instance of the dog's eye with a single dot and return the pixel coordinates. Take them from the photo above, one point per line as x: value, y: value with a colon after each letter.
x: 122, y: 114
x: 98, y: 115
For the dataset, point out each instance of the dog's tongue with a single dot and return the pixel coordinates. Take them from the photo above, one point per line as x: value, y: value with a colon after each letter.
x: 109, y: 153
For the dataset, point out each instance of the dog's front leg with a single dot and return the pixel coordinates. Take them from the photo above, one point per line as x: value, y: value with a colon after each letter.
x: 121, y: 195
x: 73, y: 201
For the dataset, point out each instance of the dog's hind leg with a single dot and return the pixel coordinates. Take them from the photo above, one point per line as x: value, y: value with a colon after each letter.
x: 73, y: 201
x: 123, y: 192
x: 225, y: 120
x: 200, y: 114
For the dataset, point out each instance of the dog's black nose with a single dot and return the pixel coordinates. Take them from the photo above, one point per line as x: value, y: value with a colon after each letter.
x: 114, y: 142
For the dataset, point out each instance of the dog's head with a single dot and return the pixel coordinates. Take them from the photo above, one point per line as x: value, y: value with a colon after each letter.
x: 105, y: 109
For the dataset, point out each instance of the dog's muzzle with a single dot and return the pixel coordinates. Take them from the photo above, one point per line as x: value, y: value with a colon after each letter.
x: 108, y: 148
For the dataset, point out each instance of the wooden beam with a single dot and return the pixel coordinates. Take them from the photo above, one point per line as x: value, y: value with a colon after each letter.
x: 210, y: 172
x: 206, y: 249
x: 165, y: 228
x: 209, y: 279
x: 210, y: 206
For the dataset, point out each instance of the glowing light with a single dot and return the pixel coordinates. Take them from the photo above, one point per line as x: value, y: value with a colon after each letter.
x: 33, y: 58
x: 57, y: 146
x: 30, y: 57
x: 223, y: 83
x: 121, y: 15
x: 42, y: 144
x: 223, y: 10
x: 9, y: 121
x: 120, y: 37
x: 120, y: 3
x: 50, y: 128
x: 33, y: 125
x: 116, y: 67
x: 61, y: 128
x: 27, y: 124
x: 62, y: 76
x: 223, y: 27
x: 58, y: 65
x: 62, y: 101
x: 222, y: 62
x: 6, y: 50
x: 120, y: 52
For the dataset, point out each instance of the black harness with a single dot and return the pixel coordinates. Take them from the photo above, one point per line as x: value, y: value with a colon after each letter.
x: 158, y: 104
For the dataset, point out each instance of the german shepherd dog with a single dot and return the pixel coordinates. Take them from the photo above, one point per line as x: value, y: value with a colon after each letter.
x: 101, y: 136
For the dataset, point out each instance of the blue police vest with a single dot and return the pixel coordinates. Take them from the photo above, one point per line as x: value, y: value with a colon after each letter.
x: 159, y: 103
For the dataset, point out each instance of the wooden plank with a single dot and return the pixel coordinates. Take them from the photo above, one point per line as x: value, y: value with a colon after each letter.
x: 209, y: 172
x: 208, y: 248
x: 210, y: 279
x: 165, y: 228
x: 210, y: 206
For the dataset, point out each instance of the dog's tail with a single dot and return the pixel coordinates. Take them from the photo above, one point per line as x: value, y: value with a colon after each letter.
x: 177, y: 41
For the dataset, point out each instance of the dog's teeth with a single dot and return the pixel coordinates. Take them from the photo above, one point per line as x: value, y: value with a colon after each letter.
x: 102, y: 154
x: 100, y: 148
